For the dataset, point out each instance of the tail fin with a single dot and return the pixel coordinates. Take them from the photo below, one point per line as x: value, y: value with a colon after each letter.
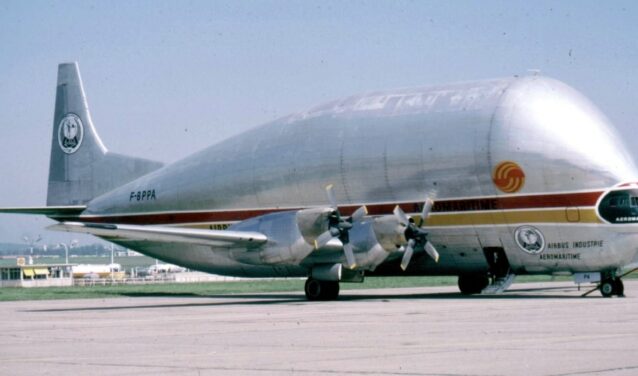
x: 81, y: 167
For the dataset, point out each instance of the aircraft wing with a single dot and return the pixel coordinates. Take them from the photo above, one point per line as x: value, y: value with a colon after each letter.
x: 219, y: 238
x: 50, y: 211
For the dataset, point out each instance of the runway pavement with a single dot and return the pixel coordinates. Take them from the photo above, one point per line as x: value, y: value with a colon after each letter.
x: 416, y: 331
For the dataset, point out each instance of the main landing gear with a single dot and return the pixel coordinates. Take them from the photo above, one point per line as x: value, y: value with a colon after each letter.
x: 470, y: 284
x: 321, y: 290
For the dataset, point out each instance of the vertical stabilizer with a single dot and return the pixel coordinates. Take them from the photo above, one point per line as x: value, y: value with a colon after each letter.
x: 81, y: 167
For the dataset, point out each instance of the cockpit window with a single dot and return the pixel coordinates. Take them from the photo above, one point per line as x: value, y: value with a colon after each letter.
x: 620, y: 206
x: 623, y: 202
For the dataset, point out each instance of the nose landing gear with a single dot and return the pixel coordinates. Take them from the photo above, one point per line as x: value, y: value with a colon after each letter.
x: 612, y: 286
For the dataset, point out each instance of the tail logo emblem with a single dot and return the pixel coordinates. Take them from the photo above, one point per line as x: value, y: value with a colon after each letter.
x: 70, y: 133
x: 508, y: 177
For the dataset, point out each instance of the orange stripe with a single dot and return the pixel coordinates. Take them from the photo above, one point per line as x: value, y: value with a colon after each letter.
x: 510, y: 217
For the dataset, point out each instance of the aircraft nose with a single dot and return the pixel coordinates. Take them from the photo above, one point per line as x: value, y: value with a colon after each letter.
x: 620, y: 206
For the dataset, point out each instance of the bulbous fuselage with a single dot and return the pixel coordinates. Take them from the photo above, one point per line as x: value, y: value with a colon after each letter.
x: 495, y: 155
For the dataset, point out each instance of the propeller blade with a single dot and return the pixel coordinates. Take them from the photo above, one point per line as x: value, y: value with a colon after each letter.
x: 323, y: 239
x: 427, y: 207
x: 349, y: 253
x: 430, y: 250
x: 407, y: 256
x: 401, y: 216
x: 331, y: 196
x: 359, y: 213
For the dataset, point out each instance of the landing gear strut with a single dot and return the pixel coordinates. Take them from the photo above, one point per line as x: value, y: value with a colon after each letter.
x: 321, y: 290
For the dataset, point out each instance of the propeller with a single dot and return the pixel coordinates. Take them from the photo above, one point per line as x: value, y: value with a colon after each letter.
x: 339, y: 227
x: 416, y: 236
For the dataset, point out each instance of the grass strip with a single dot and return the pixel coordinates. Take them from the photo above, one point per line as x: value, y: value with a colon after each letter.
x: 209, y: 289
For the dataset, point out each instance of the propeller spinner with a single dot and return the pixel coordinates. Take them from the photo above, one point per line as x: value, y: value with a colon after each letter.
x: 415, y: 235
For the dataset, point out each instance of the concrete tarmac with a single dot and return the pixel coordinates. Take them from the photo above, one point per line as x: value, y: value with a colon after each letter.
x: 415, y: 331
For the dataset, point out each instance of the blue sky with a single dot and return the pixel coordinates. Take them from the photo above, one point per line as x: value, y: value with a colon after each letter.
x: 167, y: 78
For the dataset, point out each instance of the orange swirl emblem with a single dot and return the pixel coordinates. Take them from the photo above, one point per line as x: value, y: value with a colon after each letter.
x: 508, y: 177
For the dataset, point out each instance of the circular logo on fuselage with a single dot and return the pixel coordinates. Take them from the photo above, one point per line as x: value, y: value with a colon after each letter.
x: 530, y: 239
x: 70, y: 133
x: 508, y: 177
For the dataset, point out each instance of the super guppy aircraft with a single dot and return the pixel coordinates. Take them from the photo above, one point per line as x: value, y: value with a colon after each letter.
x: 485, y: 180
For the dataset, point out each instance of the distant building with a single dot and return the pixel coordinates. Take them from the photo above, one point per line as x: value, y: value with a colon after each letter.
x: 36, y: 275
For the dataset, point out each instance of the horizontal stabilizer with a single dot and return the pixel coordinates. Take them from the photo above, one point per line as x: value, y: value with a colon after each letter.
x: 49, y: 211
x: 218, y: 238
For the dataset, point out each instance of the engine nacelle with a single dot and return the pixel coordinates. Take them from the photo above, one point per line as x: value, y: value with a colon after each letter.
x: 291, y: 239
x: 374, y: 239
x: 313, y: 222
x: 291, y: 236
x: 389, y: 232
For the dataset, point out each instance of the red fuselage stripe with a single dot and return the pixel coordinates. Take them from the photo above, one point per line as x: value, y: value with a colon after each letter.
x: 440, y: 206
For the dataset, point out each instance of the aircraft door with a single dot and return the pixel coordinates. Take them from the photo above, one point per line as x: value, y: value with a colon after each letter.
x: 572, y: 214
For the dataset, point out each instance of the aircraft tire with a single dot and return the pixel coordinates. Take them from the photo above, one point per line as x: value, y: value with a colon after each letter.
x: 619, y: 287
x: 470, y: 284
x: 608, y: 288
x: 321, y: 290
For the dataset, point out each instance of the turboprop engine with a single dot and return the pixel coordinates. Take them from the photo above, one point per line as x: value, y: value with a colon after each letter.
x: 291, y: 236
x: 324, y: 233
x: 375, y: 239
x: 322, y: 237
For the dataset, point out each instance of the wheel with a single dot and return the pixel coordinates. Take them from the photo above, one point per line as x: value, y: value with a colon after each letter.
x: 607, y: 288
x: 472, y: 283
x: 312, y: 289
x: 619, y: 287
x: 332, y: 292
x: 321, y: 290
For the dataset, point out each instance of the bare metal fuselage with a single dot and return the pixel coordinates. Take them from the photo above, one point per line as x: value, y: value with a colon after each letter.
x: 399, y: 147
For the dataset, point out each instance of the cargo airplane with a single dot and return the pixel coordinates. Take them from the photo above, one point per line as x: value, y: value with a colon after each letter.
x: 482, y: 180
